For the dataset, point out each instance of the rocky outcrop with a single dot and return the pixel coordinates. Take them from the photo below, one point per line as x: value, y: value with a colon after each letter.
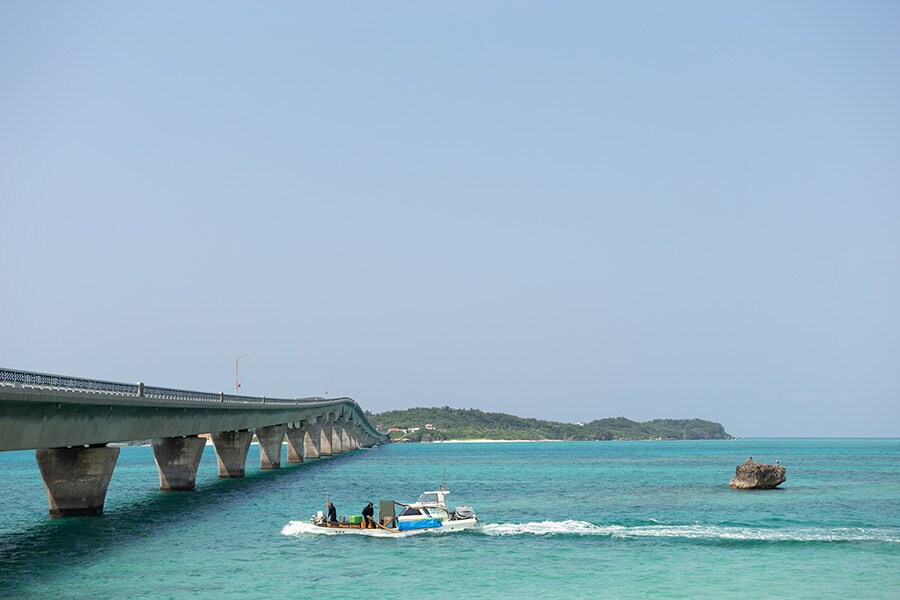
x: 753, y: 475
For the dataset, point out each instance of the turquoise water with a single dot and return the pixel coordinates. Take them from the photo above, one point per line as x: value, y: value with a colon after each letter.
x: 561, y: 520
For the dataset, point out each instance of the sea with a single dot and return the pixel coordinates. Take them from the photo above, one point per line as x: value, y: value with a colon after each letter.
x: 630, y: 519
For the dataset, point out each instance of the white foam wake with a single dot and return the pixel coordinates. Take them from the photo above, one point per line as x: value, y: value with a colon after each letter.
x: 567, y: 527
x: 701, y: 532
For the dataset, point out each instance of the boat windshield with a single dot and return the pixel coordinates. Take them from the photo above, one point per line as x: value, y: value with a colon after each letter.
x: 429, y: 498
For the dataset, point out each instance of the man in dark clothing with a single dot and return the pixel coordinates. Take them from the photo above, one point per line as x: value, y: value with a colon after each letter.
x: 332, y: 513
x: 367, y: 513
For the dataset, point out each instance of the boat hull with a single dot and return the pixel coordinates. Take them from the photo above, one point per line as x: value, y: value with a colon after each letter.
x: 303, y: 527
x: 458, y: 524
x: 300, y: 527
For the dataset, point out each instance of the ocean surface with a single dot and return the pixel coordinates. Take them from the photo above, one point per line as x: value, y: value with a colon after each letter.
x: 560, y: 520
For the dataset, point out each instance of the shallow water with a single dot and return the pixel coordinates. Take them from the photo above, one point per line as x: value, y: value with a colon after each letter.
x: 570, y: 519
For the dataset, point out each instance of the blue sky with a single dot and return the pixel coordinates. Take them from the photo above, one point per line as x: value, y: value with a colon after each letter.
x: 563, y: 210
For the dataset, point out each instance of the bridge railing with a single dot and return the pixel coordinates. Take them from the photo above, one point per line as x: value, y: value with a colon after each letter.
x: 79, y: 384
x: 172, y: 394
x: 8, y: 376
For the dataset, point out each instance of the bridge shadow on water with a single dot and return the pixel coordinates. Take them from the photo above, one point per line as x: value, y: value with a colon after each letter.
x: 55, y: 547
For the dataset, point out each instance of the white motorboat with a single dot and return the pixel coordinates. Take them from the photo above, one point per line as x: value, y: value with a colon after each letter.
x: 430, y: 512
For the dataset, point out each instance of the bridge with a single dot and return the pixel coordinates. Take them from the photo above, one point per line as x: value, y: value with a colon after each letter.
x: 70, y: 422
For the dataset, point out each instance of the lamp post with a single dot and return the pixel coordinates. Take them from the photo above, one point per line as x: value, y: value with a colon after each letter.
x: 237, y: 379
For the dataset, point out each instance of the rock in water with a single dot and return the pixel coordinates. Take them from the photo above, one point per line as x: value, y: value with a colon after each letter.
x: 757, y: 476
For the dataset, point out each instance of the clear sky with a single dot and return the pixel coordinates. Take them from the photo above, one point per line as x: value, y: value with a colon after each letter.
x: 567, y: 210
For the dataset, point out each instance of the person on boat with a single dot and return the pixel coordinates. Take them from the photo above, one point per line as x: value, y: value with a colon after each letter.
x: 367, y: 514
x: 332, y: 513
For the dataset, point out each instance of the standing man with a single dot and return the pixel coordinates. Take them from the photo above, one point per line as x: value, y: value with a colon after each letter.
x: 367, y: 513
x: 332, y: 513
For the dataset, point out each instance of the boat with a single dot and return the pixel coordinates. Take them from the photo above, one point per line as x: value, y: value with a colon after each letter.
x: 431, y: 512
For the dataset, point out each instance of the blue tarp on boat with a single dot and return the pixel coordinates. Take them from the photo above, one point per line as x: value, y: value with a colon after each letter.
x: 419, y: 524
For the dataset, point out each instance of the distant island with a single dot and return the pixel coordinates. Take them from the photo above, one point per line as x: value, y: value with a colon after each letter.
x: 443, y: 424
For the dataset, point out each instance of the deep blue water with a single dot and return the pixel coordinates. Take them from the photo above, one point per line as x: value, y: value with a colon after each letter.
x: 567, y: 519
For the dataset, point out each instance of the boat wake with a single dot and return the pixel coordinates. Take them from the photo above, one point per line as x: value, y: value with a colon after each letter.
x: 571, y: 527
x: 695, y: 532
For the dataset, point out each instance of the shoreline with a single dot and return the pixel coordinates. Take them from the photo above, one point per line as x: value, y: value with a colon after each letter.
x: 485, y: 441
x: 482, y: 441
x: 490, y: 441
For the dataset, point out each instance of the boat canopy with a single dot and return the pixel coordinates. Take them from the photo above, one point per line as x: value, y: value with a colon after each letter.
x: 439, y: 497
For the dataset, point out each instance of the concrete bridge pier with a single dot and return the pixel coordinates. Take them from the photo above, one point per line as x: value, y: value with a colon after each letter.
x: 325, y: 438
x: 296, y: 437
x: 312, y: 440
x: 76, y: 479
x: 345, y: 440
x: 177, y: 460
x: 271, y: 439
x: 231, y: 452
x: 336, y: 446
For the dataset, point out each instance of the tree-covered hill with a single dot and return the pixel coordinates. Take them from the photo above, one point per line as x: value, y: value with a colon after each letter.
x: 471, y: 424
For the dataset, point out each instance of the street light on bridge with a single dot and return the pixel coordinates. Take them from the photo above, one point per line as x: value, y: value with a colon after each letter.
x: 237, y: 379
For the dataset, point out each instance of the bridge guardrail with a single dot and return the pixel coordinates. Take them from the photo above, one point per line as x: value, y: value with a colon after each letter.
x: 67, y: 383
x: 173, y: 394
x: 79, y: 384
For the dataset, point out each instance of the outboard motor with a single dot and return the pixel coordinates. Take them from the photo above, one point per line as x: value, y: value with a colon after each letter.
x: 464, y: 512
